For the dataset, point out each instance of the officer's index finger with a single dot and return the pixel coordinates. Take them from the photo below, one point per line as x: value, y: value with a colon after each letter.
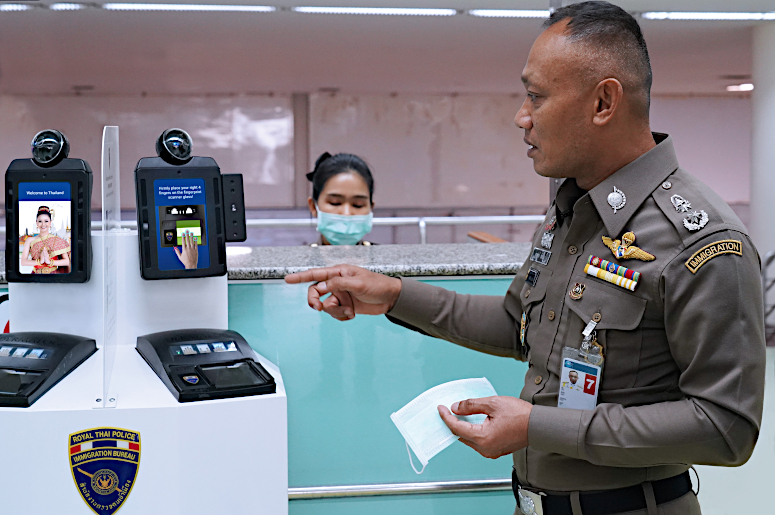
x: 313, y: 275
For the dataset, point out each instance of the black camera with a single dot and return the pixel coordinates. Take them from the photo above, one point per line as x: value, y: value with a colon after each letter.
x: 186, y: 211
x: 47, y: 214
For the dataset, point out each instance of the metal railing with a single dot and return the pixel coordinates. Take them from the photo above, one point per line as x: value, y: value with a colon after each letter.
x: 422, y: 222
x: 767, y: 285
x: 332, y: 492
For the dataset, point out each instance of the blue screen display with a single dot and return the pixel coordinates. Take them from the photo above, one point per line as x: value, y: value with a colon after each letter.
x: 181, y: 224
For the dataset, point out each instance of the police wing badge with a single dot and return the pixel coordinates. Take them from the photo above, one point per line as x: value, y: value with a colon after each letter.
x: 624, y: 248
x: 104, y: 463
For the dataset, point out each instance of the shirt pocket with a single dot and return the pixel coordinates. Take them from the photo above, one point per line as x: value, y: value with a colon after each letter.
x: 532, y: 297
x: 619, y: 317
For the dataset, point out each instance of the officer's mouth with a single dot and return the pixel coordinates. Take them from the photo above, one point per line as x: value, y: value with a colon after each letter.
x: 531, y: 149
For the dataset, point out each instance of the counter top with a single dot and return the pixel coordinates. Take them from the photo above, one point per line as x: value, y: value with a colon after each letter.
x: 396, y: 260
x: 251, y: 263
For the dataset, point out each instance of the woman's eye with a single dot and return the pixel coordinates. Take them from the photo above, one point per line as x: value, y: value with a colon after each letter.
x: 335, y: 203
x: 358, y: 207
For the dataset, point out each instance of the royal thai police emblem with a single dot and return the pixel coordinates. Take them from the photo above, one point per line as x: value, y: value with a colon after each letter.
x: 104, y: 463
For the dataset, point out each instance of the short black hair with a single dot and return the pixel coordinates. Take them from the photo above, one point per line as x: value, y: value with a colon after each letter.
x: 328, y: 166
x: 611, y: 28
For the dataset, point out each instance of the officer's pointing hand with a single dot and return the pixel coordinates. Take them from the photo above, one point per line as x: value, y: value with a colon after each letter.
x: 503, y: 432
x: 354, y: 290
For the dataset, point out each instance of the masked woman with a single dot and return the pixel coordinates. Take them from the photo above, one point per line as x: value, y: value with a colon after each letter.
x: 47, y: 253
x: 342, y: 191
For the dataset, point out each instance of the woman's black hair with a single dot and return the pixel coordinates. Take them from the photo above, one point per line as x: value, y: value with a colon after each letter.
x: 44, y: 210
x: 328, y: 166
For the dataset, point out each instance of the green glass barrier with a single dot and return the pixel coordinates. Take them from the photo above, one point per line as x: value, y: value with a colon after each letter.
x: 432, y: 504
x: 344, y: 379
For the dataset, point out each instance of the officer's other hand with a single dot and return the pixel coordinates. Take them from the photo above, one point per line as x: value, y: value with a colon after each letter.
x: 503, y: 432
x: 354, y: 290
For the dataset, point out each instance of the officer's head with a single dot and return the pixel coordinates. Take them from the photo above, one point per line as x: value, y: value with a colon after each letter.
x: 573, y: 376
x: 588, y: 81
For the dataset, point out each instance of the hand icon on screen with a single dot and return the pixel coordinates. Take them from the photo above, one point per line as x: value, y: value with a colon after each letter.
x: 190, y: 254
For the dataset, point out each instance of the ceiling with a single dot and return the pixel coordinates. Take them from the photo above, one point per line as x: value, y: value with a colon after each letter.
x: 100, y: 52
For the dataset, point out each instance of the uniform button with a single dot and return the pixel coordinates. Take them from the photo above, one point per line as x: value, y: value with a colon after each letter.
x: 667, y: 185
x: 527, y: 294
x: 596, y: 317
x: 572, y: 250
x: 539, y: 379
x: 551, y: 315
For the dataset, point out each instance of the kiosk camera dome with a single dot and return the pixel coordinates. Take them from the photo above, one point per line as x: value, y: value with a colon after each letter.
x: 49, y: 147
x: 174, y: 146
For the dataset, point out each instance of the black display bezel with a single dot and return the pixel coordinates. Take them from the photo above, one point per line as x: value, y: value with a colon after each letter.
x: 148, y: 170
x: 78, y: 174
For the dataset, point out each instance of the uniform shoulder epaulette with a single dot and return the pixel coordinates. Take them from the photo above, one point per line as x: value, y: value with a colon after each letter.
x: 694, y: 209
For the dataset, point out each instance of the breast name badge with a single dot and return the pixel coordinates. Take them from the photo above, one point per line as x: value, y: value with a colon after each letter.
x: 579, y: 385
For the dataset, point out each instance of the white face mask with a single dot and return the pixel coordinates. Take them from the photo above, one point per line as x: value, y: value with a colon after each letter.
x: 421, y: 425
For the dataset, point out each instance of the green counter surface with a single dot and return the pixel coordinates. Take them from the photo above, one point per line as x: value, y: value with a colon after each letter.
x: 344, y: 379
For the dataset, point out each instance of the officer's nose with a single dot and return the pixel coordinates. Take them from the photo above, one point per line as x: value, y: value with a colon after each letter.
x: 523, y: 119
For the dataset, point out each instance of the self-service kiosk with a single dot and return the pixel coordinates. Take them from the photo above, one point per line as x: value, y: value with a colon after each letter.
x: 186, y: 211
x: 32, y: 363
x: 199, y: 364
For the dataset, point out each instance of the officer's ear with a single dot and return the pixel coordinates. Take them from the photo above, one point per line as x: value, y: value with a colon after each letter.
x: 607, y: 96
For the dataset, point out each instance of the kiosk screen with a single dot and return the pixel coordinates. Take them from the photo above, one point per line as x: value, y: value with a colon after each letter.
x: 181, y: 224
x: 45, y: 224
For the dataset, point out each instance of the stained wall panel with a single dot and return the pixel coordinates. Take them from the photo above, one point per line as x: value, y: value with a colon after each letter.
x: 252, y: 135
x: 432, y: 150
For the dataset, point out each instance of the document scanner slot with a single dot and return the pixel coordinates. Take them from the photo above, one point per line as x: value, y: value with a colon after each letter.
x: 16, y: 382
x: 201, y: 364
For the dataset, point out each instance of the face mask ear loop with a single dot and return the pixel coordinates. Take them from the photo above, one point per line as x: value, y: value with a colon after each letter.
x: 411, y: 462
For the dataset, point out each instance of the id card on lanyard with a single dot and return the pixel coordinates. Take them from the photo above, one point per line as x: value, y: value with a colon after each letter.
x: 579, y: 383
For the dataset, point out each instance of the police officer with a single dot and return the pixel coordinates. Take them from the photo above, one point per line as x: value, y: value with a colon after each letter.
x: 642, y: 283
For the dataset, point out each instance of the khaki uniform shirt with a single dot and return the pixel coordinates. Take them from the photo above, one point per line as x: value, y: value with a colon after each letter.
x: 683, y: 377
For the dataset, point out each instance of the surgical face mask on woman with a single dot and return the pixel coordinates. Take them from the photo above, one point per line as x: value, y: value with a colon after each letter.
x: 343, y: 209
x: 343, y: 229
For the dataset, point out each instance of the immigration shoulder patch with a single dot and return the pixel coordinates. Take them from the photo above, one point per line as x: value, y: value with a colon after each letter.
x: 104, y: 463
x: 708, y: 252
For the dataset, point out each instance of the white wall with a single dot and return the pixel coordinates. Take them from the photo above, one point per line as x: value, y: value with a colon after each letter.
x: 712, y: 139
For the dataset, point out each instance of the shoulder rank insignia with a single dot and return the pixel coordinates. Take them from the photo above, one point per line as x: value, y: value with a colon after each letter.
x: 624, y: 248
x: 708, y: 252
x: 695, y: 220
x: 104, y: 463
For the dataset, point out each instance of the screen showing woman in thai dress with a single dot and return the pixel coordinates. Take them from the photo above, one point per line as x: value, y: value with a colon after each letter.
x: 44, y: 227
x: 181, y: 224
